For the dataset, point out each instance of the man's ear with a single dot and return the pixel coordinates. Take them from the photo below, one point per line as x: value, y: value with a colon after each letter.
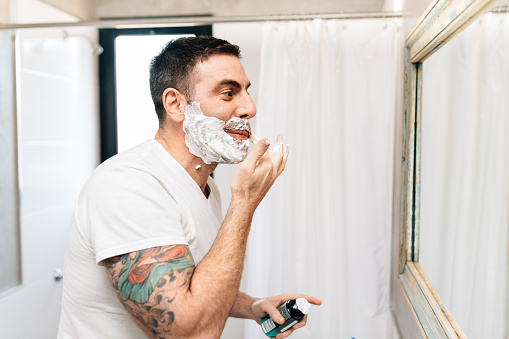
x: 174, y: 104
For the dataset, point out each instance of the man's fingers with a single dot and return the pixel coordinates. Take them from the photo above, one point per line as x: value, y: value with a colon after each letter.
x: 273, y: 312
x: 286, y: 151
x: 257, y: 153
x: 280, y: 154
x: 281, y: 158
x: 310, y: 299
x: 279, y: 144
x: 301, y: 323
x: 285, y: 333
x: 313, y: 300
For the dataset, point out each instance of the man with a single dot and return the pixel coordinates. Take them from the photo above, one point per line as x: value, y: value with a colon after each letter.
x: 148, y: 253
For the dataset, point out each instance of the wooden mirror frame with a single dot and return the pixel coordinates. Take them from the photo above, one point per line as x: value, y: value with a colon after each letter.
x: 442, y: 21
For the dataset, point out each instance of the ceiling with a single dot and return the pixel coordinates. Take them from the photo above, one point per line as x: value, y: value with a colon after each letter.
x: 101, y: 9
x: 150, y: 8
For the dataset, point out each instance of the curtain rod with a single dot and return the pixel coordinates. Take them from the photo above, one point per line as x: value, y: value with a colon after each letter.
x: 199, y: 20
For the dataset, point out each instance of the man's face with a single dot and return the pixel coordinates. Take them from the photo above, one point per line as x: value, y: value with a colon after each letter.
x: 221, y: 90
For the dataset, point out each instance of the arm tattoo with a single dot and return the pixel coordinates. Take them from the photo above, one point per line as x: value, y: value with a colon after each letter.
x: 148, y: 281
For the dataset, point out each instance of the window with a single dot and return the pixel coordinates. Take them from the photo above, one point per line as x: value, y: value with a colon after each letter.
x: 127, y: 111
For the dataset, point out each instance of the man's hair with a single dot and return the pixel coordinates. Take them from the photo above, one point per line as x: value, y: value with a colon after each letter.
x: 174, y: 67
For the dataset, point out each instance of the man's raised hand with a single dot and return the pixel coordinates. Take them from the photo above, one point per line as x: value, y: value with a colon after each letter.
x: 258, y: 172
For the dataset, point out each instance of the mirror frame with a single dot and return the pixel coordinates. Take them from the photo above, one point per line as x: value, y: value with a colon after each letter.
x: 441, y: 22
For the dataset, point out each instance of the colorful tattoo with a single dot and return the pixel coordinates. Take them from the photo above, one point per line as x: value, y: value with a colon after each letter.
x: 148, y: 282
x: 140, y: 276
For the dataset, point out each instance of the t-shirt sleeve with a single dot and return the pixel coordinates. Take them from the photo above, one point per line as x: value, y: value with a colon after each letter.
x: 127, y: 209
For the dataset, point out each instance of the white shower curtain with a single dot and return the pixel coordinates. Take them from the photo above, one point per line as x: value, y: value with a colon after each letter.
x: 330, y: 88
x: 465, y: 175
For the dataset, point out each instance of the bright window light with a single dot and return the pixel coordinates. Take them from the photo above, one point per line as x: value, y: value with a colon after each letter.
x: 136, y: 117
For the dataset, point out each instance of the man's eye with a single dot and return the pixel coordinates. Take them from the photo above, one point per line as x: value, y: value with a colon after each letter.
x: 228, y: 93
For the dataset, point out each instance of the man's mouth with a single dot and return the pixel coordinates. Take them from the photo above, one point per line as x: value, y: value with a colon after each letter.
x: 238, y: 134
x: 238, y: 129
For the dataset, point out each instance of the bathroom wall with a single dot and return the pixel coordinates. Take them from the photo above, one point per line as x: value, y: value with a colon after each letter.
x: 58, y: 148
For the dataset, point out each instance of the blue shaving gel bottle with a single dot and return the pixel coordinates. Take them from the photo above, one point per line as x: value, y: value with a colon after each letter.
x: 293, y: 311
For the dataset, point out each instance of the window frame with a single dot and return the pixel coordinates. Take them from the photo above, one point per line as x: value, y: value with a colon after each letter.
x: 107, y: 78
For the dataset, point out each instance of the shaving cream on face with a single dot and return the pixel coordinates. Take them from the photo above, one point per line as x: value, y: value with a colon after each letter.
x: 207, y: 139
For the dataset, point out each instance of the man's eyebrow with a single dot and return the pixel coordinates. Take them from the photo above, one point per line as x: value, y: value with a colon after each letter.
x: 232, y: 83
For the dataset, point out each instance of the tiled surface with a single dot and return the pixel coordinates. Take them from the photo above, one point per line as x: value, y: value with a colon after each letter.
x: 45, y: 115
x: 43, y: 240
x: 45, y: 55
x: 47, y: 165
x: 32, y: 311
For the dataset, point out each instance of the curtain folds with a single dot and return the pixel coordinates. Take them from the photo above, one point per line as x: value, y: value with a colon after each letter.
x: 330, y: 88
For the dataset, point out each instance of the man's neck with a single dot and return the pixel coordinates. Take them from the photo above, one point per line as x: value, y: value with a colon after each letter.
x: 195, y: 166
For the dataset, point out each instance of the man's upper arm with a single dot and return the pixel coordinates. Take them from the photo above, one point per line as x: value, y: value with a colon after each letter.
x: 149, y: 282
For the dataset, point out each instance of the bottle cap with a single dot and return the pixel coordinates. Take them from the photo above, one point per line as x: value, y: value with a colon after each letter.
x: 303, y: 305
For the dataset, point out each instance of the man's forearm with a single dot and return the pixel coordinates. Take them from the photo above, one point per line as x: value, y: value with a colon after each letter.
x: 216, y: 279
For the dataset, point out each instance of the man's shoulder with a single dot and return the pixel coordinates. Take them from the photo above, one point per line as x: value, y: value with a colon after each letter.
x: 124, y: 167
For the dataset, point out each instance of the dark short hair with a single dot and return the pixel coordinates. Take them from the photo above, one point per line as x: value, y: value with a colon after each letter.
x: 174, y: 67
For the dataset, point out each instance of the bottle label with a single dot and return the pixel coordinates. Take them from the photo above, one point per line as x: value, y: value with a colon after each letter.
x: 289, y: 326
x: 268, y: 325
x: 284, y: 311
x: 270, y: 328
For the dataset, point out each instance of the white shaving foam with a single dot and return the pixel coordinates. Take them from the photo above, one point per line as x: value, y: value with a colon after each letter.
x: 206, y: 137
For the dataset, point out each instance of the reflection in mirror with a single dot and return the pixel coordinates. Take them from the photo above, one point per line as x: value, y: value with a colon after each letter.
x: 464, y: 213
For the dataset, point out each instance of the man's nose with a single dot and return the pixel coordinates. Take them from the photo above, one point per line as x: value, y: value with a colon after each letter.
x: 247, y: 108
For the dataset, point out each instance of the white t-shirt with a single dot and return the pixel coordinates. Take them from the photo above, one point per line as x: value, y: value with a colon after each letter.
x: 139, y: 199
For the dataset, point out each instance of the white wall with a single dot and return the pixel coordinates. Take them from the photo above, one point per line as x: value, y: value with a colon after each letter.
x: 58, y: 149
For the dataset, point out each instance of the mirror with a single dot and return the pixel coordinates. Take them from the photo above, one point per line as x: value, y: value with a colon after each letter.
x: 464, y: 199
